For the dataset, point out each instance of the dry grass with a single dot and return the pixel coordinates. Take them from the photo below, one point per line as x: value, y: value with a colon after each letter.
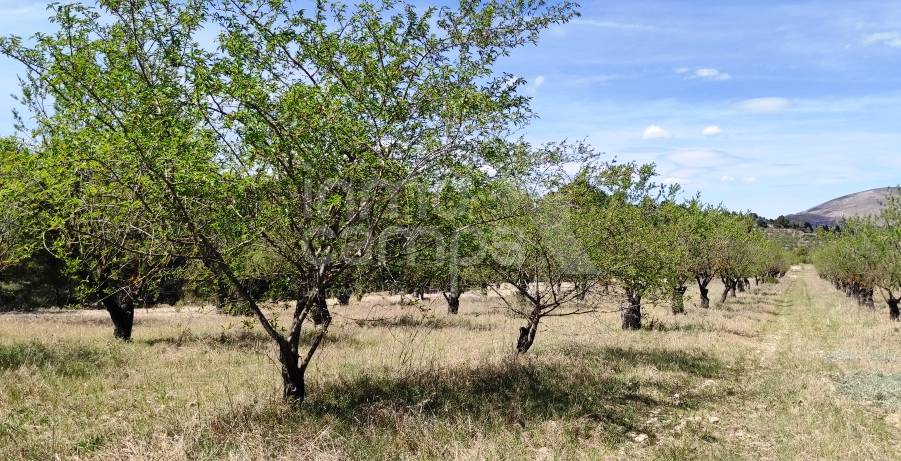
x: 787, y: 371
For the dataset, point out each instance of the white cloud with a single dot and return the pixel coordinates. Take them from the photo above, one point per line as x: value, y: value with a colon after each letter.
x: 765, y: 105
x: 707, y: 73
x: 711, y: 130
x: 727, y: 178
x: 533, y: 86
x: 892, y: 39
x: 703, y: 73
x: 749, y: 179
x: 655, y: 132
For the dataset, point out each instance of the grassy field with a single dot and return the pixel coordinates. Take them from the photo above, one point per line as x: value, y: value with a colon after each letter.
x: 786, y: 371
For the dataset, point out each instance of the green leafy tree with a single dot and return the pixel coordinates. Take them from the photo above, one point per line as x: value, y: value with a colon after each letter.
x: 633, y: 249
x: 18, y: 230
x: 299, y: 132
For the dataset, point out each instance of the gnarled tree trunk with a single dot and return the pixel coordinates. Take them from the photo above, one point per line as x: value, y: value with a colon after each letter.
x: 705, y: 292
x: 632, y: 311
x: 293, y: 366
x: 893, y: 312
x: 729, y: 286
x: 121, y: 310
x: 453, y: 301
x: 527, y: 335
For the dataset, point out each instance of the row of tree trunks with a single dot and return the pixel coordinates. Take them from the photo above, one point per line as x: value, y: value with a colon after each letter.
x: 865, y: 297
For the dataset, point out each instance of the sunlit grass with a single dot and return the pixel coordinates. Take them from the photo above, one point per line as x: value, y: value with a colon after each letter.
x: 775, y: 373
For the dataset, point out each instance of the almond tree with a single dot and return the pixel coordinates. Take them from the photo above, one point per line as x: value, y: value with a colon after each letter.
x: 298, y: 132
x: 678, y: 228
x: 634, y: 243
x: 536, y: 250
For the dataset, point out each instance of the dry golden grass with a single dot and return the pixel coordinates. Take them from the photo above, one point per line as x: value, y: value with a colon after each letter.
x: 787, y: 371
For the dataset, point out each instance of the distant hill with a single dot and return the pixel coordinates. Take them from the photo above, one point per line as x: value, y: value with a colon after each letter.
x: 866, y: 203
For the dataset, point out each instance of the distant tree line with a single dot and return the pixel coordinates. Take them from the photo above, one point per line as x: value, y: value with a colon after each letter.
x: 864, y: 259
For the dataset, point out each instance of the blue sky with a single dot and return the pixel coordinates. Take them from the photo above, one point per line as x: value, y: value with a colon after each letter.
x: 761, y: 105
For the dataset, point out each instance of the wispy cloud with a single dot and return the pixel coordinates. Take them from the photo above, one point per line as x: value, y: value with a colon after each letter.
x: 703, y: 73
x: 764, y: 105
x: 711, y: 130
x: 891, y: 39
x: 656, y: 132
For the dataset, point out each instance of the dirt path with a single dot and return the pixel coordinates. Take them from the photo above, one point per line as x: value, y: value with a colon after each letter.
x: 826, y: 383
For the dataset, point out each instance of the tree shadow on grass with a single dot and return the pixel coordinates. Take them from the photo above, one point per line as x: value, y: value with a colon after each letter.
x: 429, y: 323
x: 695, y: 363
x: 587, y: 388
x: 66, y: 359
x: 240, y: 339
x: 657, y: 325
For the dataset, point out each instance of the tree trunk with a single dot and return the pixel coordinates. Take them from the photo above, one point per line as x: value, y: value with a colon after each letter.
x: 293, y: 385
x: 727, y: 287
x: 293, y: 369
x: 868, y: 300
x: 679, y: 299
x: 893, y: 312
x: 581, y: 291
x: 632, y: 311
x: 527, y: 335
x: 122, y: 313
x: 343, y: 297
x: 320, y: 313
x: 705, y: 293
x: 453, y: 301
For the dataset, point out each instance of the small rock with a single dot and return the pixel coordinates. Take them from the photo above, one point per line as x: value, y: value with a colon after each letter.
x: 713, y: 419
x: 640, y: 438
x: 708, y: 383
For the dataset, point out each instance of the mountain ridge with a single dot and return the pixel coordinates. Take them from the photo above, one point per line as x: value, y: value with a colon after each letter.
x: 829, y: 213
